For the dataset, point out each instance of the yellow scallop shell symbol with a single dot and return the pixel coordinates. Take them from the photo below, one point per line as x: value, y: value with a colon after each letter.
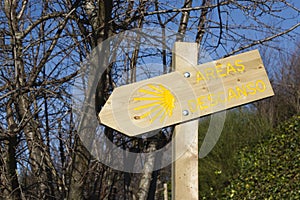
x: 159, y: 102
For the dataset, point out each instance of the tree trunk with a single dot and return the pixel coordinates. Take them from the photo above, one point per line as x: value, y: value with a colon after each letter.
x: 9, y: 179
x: 41, y: 163
x: 99, y: 19
x: 147, y: 174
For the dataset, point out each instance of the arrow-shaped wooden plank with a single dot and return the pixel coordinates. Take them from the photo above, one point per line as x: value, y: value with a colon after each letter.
x: 187, y: 94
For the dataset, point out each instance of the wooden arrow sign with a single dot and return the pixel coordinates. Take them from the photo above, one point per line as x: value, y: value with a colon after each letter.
x: 187, y: 94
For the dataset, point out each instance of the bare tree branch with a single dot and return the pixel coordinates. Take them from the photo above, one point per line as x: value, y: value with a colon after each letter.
x: 202, y: 21
x: 264, y: 40
x: 24, y: 4
x: 184, y: 21
x: 186, y: 9
x: 39, y: 21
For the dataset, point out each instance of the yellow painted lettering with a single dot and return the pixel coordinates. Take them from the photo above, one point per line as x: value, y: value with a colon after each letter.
x: 230, y: 69
x: 241, y: 67
x: 260, y: 86
x: 221, y: 97
x: 219, y: 70
x: 231, y: 94
x: 210, y: 73
x: 212, y: 100
x: 200, y: 77
x: 251, y: 88
x: 241, y: 91
x: 200, y: 103
x: 192, y: 104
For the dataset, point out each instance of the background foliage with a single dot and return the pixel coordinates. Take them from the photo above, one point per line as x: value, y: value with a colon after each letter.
x: 270, y: 169
x: 43, y: 49
x: 257, y: 156
x: 242, y: 129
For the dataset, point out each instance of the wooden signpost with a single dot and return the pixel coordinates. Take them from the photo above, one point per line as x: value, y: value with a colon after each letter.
x: 181, y: 97
x: 188, y: 93
x: 185, y: 138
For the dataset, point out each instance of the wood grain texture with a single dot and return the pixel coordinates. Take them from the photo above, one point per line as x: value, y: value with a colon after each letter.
x: 185, y: 138
x: 211, y: 87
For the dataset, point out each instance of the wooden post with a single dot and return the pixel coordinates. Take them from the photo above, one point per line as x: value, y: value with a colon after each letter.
x: 185, y: 169
x: 165, y: 191
x: 188, y: 93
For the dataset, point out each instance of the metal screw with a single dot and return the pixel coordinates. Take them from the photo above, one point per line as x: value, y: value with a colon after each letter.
x: 185, y: 112
x: 187, y: 74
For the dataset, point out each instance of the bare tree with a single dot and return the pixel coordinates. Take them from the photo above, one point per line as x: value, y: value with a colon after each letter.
x: 42, y: 45
x: 31, y: 91
x: 285, y: 80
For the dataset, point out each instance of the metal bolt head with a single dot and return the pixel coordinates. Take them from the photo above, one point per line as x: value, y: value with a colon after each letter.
x: 187, y: 74
x: 185, y: 112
